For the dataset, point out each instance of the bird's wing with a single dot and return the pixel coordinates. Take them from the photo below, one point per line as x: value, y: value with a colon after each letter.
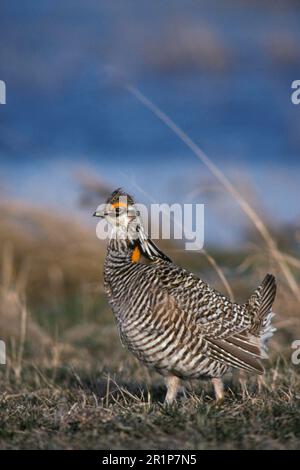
x: 214, y: 312
x: 223, y: 324
x: 237, y: 351
x: 227, y: 344
x: 226, y: 329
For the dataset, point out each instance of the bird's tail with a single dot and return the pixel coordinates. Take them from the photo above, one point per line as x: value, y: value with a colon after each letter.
x: 260, y: 304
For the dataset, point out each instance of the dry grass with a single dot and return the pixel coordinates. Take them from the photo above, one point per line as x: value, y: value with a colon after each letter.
x: 79, y: 409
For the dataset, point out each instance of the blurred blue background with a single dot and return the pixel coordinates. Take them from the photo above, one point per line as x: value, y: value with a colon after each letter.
x: 221, y: 70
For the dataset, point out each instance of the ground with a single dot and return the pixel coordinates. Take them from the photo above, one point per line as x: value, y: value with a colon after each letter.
x: 73, y: 409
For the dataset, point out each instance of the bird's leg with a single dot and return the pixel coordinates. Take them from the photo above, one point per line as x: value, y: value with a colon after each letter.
x: 260, y: 383
x: 172, y: 383
x: 182, y: 391
x: 243, y: 383
x: 219, y: 388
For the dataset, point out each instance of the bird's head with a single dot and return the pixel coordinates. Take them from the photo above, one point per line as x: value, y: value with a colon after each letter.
x: 121, y: 213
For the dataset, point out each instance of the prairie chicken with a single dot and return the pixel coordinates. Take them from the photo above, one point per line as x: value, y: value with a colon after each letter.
x: 170, y: 319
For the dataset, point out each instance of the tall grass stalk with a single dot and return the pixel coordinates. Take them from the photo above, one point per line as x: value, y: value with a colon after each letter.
x: 219, y: 175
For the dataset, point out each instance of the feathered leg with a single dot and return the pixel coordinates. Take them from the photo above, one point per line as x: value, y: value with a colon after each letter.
x: 243, y: 383
x: 219, y: 388
x: 260, y: 383
x: 172, y: 383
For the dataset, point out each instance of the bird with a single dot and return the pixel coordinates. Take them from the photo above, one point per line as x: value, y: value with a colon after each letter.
x: 171, y: 320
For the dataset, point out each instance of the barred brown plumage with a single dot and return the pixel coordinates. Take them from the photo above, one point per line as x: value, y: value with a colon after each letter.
x: 170, y: 319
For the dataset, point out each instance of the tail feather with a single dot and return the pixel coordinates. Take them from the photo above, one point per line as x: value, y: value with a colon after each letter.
x: 261, y: 308
x: 267, y: 296
x: 245, y: 350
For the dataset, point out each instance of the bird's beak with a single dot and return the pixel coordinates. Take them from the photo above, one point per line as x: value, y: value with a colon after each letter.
x: 99, y: 213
